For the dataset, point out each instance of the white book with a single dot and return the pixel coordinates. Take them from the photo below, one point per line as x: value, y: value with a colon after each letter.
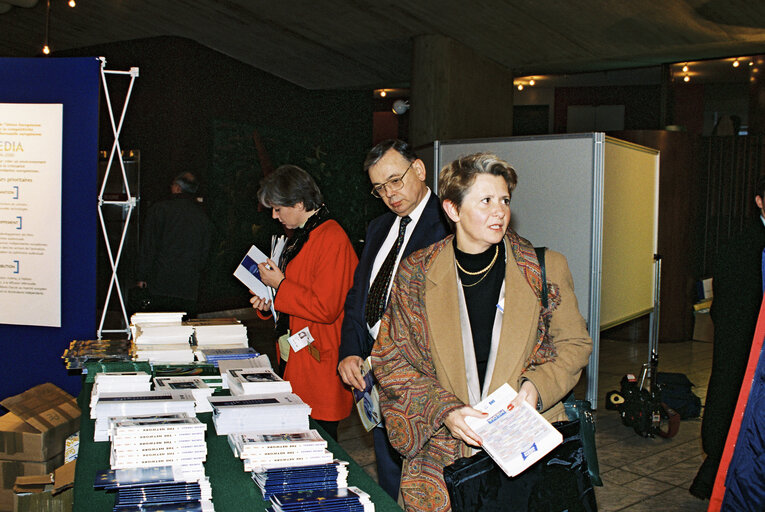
x: 256, y: 381
x: 250, y: 443
x: 514, y: 436
x: 247, y: 272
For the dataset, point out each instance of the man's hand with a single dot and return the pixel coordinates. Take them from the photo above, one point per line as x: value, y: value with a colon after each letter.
x: 350, y: 371
x: 458, y: 427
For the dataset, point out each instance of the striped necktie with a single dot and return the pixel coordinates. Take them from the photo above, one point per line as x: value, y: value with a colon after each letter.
x: 377, y: 299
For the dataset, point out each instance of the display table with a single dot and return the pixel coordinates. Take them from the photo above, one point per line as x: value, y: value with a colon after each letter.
x: 232, y: 487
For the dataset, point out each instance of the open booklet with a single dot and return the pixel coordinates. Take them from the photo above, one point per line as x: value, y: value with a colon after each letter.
x: 247, y: 270
x: 514, y: 436
x: 368, y: 400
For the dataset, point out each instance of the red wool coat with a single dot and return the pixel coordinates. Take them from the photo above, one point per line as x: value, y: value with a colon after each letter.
x: 313, y: 293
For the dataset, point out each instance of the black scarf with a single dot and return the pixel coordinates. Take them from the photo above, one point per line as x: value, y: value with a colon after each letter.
x: 294, y: 245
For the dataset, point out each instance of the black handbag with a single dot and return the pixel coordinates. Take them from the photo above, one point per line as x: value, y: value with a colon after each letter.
x: 558, y: 482
x: 582, y: 410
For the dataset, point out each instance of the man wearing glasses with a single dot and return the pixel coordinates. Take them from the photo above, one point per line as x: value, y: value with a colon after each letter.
x: 415, y: 221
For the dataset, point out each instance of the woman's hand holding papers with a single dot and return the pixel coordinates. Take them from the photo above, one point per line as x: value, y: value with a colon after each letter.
x: 270, y: 274
x: 459, y: 429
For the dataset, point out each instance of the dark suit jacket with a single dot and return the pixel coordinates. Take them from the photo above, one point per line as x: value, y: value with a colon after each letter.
x: 431, y: 228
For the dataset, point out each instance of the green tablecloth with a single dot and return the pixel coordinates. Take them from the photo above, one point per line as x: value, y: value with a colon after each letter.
x: 232, y: 487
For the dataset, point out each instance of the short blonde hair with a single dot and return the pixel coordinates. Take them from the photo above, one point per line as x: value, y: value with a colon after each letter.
x: 456, y: 178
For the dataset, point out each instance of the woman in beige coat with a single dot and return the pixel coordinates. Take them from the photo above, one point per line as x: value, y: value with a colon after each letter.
x: 465, y: 317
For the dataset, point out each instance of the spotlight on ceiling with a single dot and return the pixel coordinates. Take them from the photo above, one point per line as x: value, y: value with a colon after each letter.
x: 736, y: 63
x: 400, y: 107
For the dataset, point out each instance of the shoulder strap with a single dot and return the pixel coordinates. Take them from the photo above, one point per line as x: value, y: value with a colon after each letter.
x: 541, y: 259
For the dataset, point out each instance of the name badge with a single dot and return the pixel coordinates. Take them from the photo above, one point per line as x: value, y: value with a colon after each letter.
x: 300, y: 339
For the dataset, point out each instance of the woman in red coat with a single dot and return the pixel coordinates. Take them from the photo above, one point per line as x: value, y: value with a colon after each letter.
x: 312, y: 279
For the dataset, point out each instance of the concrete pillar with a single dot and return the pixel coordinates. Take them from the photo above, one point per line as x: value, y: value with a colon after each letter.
x: 457, y: 94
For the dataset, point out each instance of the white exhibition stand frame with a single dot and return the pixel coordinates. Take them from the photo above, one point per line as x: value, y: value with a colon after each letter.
x: 129, y: 202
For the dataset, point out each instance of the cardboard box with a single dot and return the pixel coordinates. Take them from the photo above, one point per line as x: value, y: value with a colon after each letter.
x: 51, y: 492
x: 44, y: 502
x: 11, y: 469
x: 40, y: 420
x: 703, y: 329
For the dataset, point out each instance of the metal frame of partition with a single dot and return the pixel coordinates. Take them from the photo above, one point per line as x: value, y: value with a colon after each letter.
x: 129, y: 203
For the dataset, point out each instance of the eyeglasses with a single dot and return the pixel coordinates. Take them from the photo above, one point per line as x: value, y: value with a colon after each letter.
x: 392, y: 184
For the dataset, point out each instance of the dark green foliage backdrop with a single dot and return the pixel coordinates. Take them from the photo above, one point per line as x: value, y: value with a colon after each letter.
x: 234, y: 177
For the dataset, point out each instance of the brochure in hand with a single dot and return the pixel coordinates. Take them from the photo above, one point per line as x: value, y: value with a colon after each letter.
x: 247, y: 272
x: 514, y: 436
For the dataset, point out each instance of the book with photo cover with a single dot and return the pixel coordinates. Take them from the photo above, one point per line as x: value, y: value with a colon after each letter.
x: 368, y: 400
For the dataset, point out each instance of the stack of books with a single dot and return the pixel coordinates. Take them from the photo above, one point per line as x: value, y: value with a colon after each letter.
x: 261, y: 452
x: 219, y: 333
x: 159, y: 440
x: 324, y: 477
x: 119, y: 382
x: 163, y: 343
x: 201, y: 391
x: 137, y: 403
x: 156, y: 488
x: 172, y: 317
x: 215, y: 355
x: 224, y: 365
x: 348, y: 499
x: 209, y: 374
x: 81, y: 352
x: 256, y: 381
x: 161, y: 337
x: 274, y: 413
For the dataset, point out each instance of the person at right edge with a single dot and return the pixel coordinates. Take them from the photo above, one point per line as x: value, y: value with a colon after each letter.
x: 415, y: 221
x: 465, y: 317
x: 737, y: 290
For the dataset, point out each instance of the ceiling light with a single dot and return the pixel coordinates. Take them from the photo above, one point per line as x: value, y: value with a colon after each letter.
x: 685, y: 68
x: 686, y: 78
x: 520, y: 87
x: 72, y: 3
x: 751, y: 63
x: 383, y: 94
x: 532, y: 82
x: 736, y: 63
x: 46, y: 48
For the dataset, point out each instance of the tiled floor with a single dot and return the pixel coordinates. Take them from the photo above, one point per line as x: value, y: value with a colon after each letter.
x: 639, y: 474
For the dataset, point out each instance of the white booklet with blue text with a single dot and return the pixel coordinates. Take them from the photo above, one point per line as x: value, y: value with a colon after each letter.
x: 514, y: 436
x: 247, y: 272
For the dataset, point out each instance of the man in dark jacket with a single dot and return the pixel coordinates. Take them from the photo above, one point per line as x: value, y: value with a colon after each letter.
x: 737, y: 287
x: 415, y: 221
x: 174, y: 248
